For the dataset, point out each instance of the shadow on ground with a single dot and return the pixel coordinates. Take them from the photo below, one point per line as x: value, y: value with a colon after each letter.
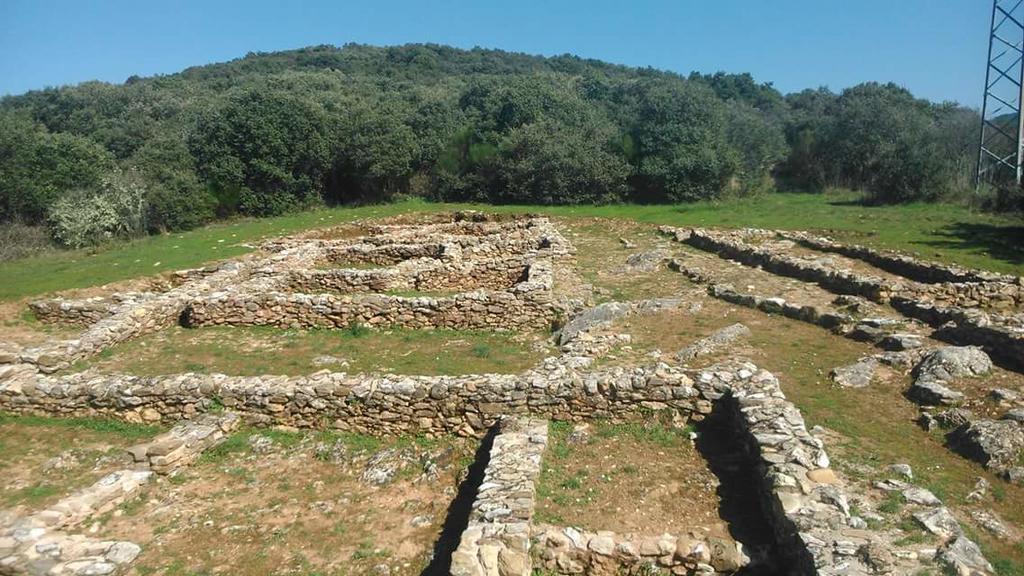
x: 1005, y: 243
x: 459, y: 511
x: 725, y: 448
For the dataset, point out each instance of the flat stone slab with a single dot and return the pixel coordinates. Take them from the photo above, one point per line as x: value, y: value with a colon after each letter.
x: 856, y: 375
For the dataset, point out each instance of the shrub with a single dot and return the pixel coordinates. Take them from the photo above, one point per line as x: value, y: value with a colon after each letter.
x: 117, y: 209
x: 18, y: 240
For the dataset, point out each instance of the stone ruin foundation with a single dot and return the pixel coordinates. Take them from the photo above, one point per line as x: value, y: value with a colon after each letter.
x: 499, y: 274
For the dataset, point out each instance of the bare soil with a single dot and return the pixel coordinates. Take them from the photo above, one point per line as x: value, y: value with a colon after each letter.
x: 287, y: 510
x: 639, y: 477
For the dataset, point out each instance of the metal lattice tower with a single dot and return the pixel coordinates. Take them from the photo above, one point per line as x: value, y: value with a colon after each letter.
x: 1001, y: 150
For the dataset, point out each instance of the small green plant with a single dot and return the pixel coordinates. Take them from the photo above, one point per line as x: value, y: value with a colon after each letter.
x: 481, y: 351
x: 357, y: 330
x: 366, y: 550
x: 237, y: 443
x: 215, y: 405
x: 126, y: 430
x: 892, y: 504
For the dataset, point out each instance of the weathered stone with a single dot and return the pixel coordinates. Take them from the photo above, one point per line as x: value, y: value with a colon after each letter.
x: 856, y: 375
x: 933, y: 393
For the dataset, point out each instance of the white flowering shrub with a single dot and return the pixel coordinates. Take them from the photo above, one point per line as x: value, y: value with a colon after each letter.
x: 116, y: 209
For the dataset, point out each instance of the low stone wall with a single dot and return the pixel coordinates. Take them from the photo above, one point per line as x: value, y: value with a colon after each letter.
x: 997, y: 295
x: 128, y: 320
x: 371, y: 404
x: 801, y: 496
x: 416, y: 274
x: 831, y: 320
x: 496, y: 541
x: 382, y: 255
x: 527, y: 304
x: 81, y: 312
x: 901, y: 264
x: 1000, y: 337
x: 566, y: 550
x: 515, y: 255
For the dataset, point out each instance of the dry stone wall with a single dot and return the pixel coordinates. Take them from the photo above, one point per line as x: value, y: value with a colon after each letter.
x: 423, y: 274
x: 1000, y: 294
x: 496, y: 542
x: 372, y: 404
x: 568, y: 550
x: 506, y: 264
x: 901, y: 264
x: 963, y: 322
x: 527, y: 304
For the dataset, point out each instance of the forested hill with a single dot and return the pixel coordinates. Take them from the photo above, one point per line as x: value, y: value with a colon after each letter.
x: 274, y: 132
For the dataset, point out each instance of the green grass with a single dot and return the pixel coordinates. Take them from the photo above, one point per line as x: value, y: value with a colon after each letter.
x: 125, y: 430
x: 249, y: 351
x: 153, y: 254
x: 945, y: 232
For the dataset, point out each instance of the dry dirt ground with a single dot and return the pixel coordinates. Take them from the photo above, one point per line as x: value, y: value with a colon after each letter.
x: 275, y: 503
x: 627, y: 478
x: 299, y: 503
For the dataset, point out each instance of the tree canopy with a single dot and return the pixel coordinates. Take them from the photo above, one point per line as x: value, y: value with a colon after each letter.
x: 274, y: 132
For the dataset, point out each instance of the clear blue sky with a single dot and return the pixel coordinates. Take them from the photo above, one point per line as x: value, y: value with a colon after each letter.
x: 936, y: 48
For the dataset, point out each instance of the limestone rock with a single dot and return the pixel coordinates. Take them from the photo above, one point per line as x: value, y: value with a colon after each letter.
x: 856, y: 375
x: 714, y: 342
x: 933, y: 393
x: 964, y: 557
x: 939, y: 521
x: 995, y: 443
x: 950, y: 362
x: 598, y: 315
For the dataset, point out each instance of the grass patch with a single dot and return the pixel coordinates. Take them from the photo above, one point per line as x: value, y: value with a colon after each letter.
x: 127, y: 430
x: 947, y: 232
x: 250, y: 351
x: 624, y: 477
x: 33, y: 495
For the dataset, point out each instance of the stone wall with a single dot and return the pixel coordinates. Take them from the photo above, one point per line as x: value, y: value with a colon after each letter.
x: 130, y: 319
x: 496, y: 541
x: 421, y: 274
x: 731, y: 245
x: 80, y: 312
x: 562, y: 387
x: 567, y: 550
x: 515, y: 255
x: 1002, y: 337
x: 901, y: 264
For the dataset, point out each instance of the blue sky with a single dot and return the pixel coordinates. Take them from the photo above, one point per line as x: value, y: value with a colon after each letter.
x: 936, y: 48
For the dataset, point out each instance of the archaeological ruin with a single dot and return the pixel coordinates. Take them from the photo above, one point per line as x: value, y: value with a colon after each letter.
x: 935, y: 326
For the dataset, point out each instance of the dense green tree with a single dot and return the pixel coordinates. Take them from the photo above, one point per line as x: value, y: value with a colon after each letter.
x: 263, y: 153
x: 272, y: 132
x: 677, y: 141
x: 176, y: 199
x: 38, y: 167
x: 547, y: 163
